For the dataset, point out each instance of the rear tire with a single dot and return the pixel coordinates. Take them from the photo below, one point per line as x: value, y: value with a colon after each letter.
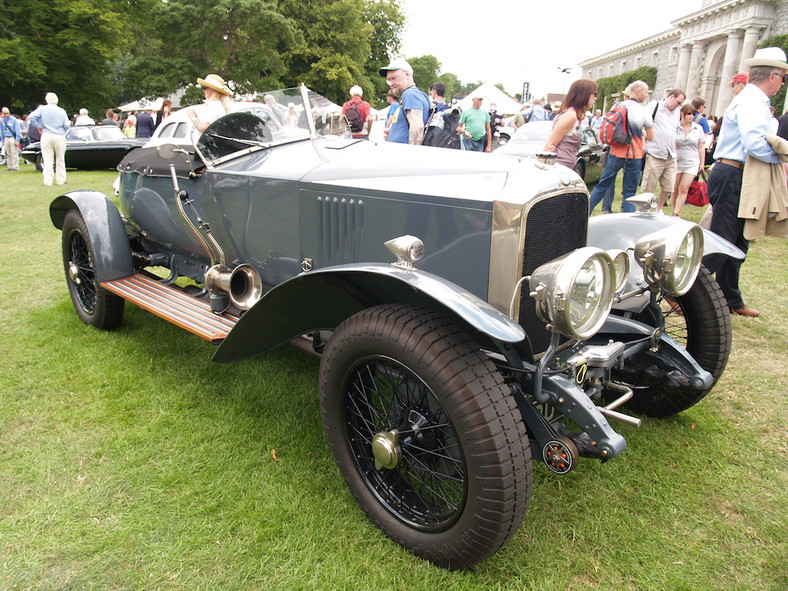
x: 95, y: 305
x: 458, y: 480
x: 39, y: 162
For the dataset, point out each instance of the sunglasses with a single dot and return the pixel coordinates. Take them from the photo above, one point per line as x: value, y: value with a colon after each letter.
x: 783, y: 76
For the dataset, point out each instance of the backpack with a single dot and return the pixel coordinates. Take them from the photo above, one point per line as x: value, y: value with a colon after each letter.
x: 441, y: 130
x: 615, y: 127
x: 354, y: 118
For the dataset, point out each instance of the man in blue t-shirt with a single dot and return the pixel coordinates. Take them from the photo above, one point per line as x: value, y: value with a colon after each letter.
x: 407, y: 125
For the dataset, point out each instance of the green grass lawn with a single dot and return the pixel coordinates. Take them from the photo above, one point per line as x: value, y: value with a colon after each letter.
x: 128, y: 460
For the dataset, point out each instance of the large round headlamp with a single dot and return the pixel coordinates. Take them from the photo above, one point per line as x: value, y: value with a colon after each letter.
x: 671, y: 257
x: 574, y: 292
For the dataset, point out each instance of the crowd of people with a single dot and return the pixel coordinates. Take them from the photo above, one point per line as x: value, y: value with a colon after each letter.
x: 670, y: 142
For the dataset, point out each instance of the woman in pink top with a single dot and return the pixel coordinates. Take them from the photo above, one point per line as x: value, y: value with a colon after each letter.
x: 565, y: 138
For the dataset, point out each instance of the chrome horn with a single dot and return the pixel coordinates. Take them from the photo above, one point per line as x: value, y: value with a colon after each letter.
x: 242, y: 284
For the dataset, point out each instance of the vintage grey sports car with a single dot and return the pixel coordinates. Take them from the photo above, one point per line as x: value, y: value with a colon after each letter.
x: 89, y: 147
x: 469, y: 317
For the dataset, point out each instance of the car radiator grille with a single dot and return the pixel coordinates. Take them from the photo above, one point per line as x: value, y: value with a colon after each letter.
x: 555, y: 226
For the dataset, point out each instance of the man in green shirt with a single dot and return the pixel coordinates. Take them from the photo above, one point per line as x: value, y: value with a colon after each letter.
x: 474, y: 128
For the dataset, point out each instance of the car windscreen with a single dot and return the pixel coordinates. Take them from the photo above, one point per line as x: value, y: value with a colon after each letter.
x: 108, y: 133
x: 78, y: 134
x: 538, y: 131
x: 232, y: 133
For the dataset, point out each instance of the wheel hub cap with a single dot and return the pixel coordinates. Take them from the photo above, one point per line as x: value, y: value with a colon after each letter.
x: 386, y: 450
x: 73, y: 272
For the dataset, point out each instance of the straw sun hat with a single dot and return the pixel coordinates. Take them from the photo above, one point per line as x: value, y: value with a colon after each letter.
x: 215, y: 82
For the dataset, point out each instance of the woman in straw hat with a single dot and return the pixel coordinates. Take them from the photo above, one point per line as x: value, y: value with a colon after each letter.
x: 217, y: 101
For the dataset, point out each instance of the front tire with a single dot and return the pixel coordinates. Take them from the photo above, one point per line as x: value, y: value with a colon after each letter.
x: 700, y: 321
x: 95, y: 305
x: 425, y: 433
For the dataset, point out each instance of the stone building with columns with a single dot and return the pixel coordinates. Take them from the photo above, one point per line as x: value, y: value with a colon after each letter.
x: 702, y: 52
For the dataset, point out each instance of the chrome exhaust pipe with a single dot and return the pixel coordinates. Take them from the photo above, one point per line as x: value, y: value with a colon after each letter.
x: 242, y: 285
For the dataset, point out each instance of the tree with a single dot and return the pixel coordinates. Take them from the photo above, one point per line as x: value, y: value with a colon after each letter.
x: 334, y: 47
x: 388, y: 22
x: 615, y: 85
x: 63, y: 46
x: 425, y: 70
x: 242, y: 41
x: 452, y: 84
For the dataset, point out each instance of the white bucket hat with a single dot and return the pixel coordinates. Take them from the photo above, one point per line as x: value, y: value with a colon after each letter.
x: 771, y: 57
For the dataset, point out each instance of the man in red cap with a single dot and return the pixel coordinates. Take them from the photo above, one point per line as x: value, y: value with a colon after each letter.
x: 738, y: 82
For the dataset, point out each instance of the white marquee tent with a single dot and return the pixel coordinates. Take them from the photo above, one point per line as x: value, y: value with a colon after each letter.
x: 504, y: 104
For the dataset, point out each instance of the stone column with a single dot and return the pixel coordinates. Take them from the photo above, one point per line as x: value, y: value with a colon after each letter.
x: 683, y: 67
x: 724, y: 93
x: 750, y: 45
x: 695, y: 68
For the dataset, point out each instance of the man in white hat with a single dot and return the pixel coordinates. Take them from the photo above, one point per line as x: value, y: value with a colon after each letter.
x: 407, y: 124
x: 745, y: 124
x: 357, y: 113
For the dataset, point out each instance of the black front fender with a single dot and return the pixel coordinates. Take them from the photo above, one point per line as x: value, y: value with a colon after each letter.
x: 107, y: 233
x: 322, y: 299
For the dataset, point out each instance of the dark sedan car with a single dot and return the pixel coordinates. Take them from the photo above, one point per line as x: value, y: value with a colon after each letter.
x: 531, y: 137
x: 89, y: 147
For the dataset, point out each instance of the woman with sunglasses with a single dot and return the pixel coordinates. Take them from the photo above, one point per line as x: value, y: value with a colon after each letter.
x: 565, y: 138
x: 690, y: 155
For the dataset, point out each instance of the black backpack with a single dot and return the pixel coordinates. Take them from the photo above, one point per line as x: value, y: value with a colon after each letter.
x: 441, y: 131
x: 354, y: 118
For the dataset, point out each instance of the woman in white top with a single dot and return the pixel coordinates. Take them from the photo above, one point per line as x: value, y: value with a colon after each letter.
x: 690, y: 155
x: 217, y: 102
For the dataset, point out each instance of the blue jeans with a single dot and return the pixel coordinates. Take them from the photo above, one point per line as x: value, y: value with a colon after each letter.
x: 472, y: 144
x: 631, y: 168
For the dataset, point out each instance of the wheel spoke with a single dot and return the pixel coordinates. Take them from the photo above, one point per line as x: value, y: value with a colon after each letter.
x: 675, y: 323
x: 79, y: 255
x: 427, y: 488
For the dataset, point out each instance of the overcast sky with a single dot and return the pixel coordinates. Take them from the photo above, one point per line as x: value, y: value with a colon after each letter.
x: 513, y: 41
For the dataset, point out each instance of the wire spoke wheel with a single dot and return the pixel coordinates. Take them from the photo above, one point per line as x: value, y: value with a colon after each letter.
x: 81, y: 272
x: 674, y: 319
x: 95, y: 305
x: 425, y: 433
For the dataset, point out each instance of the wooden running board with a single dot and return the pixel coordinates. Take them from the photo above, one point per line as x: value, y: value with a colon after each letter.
x: 174, y: 305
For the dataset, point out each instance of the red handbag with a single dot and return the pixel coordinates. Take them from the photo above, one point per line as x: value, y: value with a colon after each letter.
x: 697, y: 194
